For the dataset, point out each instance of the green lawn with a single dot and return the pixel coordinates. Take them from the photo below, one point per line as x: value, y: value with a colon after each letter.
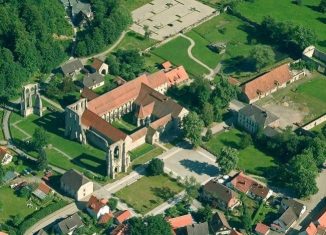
x: 12, y: 205
x: 146, y: 194
x: 125, y: 123
x: 134, y: 4
x: 176, y: 52
x: 147, y: 157
x: 83, y: 156
x: 133, y: 40
x: 251, y: 160
x: 141, y: 150
x: 306, y: 14
x: 237, y: 36
x: 1, y: 131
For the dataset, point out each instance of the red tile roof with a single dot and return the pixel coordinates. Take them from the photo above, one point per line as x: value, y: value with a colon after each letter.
x: 166, y: 65
x: 267, y: 81
x: 138, y: 134
x: 44, y: 188
x: 161, y: 122
x: 96, y: 204
x: 235, y: 232
x: 262, y: 229
x: 122, y: 216
x: 311, y: 229
x: 105, y: 218
x: 92, y: 120
x: 322, y: 220
x: 146, y: 110
x: 97, y: 63
x: 177, y: 75
x: 88, y: 94
x: 181, y: 221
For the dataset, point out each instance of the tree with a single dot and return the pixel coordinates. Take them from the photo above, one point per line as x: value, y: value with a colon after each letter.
x: 17, y: 219
x: 208, y: 135
x: 2, y: 174
x: 262, y: 56
x: 203, y: 214
x: 147, y: 31
x: 42, y: 161
x: 208, y: 114
x: 113, y: 202
x: 149, y: 225
x: 322, y: 6
x: 25, y: 192
x: 246, y: 219
x: 228, y: 159
x: 40, y: 138
x: 155, y: 167
x: 192, y: 128
x: 318, y: 150
x: 192, y: 188
x: 223, y: 93
x: 245, y: 141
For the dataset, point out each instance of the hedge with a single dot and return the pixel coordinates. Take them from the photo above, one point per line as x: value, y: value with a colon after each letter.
x: 38, y: 215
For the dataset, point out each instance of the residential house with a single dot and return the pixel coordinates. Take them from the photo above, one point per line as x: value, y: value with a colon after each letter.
x: 194, y: 229
x: 181, y: 221
x: 262, y: 229
x: 42, y: 191
x: 219, y: 195
x: 219, y: 225
x: 104, y: 219
x: 93, y: 81
x: 72, y: 68
x: 5, y: 156
x: 68, y: 225
x: 100, y: 66
x: 268, y: 83
x: 253, y: 118
x: 122, y: 216
x: 293, y: 211
x: 80, y: 11
x: 9, y: 176
x: 121, y: 229
x: 317, y: 227
x: 235, y: 232
x: 40, y: 232
x: 97, y: 207
x: 76, y: 184
x: 252, y: 188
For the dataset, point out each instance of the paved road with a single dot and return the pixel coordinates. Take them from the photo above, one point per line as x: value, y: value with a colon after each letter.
x: 211, y: 74
x: 62, y: 213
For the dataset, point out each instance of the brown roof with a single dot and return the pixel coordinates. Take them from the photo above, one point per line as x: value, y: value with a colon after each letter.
x: 146, y: 110
x: 44, y: 188
x: 97, y: 63
x: 219, y: 221
x: 233, y: 81
x: 297, y: 206
x: 121, y: 229
x: 166, y: 65
x: 267, y: 82
x: 125, y: 93
x: 262, y: 229
x: 161, y: 122
x: 105, y: 218
x: 3, y: 152
x: 94, y: 121
x: 235, y: 232
x: 219, y: 191
x: 177, y: 75
x: 138, y: 134
x: 122, y: 216
x: 96, y: 204
x: 88, y: 94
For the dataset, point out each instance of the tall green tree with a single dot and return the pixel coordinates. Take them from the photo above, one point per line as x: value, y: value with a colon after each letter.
x: 208, y: 114
x: 228, y: 159
x: 262, y: 56
x: 322, y: 6
x: 192, y: 188
x: 40, y: 138
x: 149, y: 225
x: 155, y: 167
x: 42, y: 161
x: 192, y: 128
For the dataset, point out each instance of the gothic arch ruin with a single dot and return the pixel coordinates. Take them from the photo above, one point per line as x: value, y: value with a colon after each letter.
x: 31, y: 101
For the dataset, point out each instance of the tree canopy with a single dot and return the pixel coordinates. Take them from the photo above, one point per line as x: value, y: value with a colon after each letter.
x: 40, y: 138
x: 192, y: 127
x: 155, y: 167
x: 322, y: 6
x: 27, y: 42
x: 42, y: 161
x: 262, y: 56
x: 228, y: 159
x: 149, y: 225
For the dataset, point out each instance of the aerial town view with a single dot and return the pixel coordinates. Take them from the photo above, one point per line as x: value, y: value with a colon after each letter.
x: 163, y: 117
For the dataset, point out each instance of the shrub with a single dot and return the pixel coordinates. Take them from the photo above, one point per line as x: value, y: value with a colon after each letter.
x: 155, y: 167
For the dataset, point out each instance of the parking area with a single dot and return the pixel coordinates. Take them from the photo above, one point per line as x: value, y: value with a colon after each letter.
x: 165, y: 18
x: 188, y: 162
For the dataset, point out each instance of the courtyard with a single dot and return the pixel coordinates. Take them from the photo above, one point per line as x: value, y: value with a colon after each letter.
x: 165, y: 18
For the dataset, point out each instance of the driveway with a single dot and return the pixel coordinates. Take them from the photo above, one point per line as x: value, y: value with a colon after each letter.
x: 188, y: 162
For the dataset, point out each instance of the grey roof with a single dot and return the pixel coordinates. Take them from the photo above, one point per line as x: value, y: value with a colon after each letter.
x: 92, y: 79
x: 73, y: 179
x: 218, y: 222
x: 71, y: 66
x: 259, y: 115
x: 79, y: 6
x: 41, y: 232
x: 10, y: 175
x: 38, y: 193
x: 288, y: 217
x: 198, y: 229
x: 70, y: 224
x: 296, y: 206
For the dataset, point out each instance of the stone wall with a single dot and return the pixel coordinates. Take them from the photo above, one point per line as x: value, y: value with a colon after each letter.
x: 314, y: 123
x: 96, y: 139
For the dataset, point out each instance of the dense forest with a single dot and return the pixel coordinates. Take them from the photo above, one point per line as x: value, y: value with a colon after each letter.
x: 27, y: 40
x: 110, y: 19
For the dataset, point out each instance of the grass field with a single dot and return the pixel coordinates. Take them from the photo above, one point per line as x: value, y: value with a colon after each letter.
x: 176, y: 52
x: 251, y: 160
x: 12, y: 205
x: 146, y: 194
x: 146, y: 157
x: 306, y: 14
x: 141, y: 150
x: 83, y: 156
x: 134, y: 4
x: 125, y: 123
x: 134, y: 40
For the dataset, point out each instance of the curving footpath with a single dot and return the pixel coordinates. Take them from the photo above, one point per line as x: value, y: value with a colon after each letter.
x: 211, y: 74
